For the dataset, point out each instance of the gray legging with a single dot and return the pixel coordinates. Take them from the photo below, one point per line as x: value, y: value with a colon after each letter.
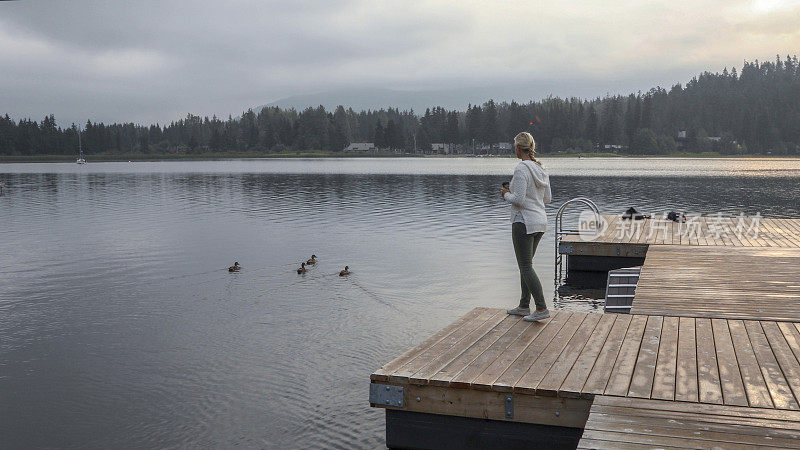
x: 525, y: 247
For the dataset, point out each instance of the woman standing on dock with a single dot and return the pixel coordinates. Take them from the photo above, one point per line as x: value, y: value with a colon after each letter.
x: 528, y: 192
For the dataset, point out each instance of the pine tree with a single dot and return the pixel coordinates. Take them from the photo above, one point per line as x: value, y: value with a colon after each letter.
x: 379, y: 135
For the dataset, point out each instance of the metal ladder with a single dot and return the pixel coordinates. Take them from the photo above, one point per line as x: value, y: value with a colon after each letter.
x: 560, y: 232
x: 621, y: 289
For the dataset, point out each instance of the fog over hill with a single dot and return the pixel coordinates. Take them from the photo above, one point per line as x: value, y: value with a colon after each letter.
x: 369, y: 98
x: 748, y: 111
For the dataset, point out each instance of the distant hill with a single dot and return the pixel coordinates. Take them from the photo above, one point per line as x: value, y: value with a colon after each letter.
x: 754, y: 110
x: 376, y: 98
x: 458, y: 99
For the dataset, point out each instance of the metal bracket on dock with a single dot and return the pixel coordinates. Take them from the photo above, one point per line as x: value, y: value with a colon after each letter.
x: 386, y: 395
x: 509, y: 406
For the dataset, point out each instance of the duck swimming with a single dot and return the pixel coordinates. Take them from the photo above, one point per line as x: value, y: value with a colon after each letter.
x: 313, y: 260
x: 235, y: 267
x: 302, y: 268
x: 344, y: 272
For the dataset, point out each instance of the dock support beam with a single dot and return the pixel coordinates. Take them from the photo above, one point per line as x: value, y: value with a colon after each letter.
x: 407, y: 429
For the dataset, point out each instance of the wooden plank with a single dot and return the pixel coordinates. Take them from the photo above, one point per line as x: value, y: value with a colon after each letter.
x: 769, y: 233
x: 776, y: 235
x: 707, y: 370
x: 733, y: 392
x: 604, y: 249
x: 564, y: 412
x: 744, y: 238
x: 704, y: 275
x: 490, y: 356
x: 467, y: 357
x: 402, y: 373
x: 778, y: 387
x: 702, y: 235
x: 506, y: 381
x: 530, y: 380
x: 732, y: 233
x: 645, y: 368
x: 666, y: 364
x: 754, y: 384
x: 772, y: 233
x: 645, y: 236
x: 665, y: 237
x: 780, y: 235
x: 636, y: 227
x: 582, y: 369
x: 783, y: 353
x: 601, y: 444
x: 382, y: 374
x: 611, y: 226
x: 486, y: 379
x: 760, y: 238
x: 660, y: 441
x: 653, y: 231
x: 745, y: 430
x: 775, y: 427
x: 426, y: 372
x: 792, y: 335
x: 675, y: 233
x: 601, y: 371
x: 686, y: 371
x: 554, y: 378
x: 620, y: 378
x: 790, y: 228
x: 792, y: 418
x: 689, y: 425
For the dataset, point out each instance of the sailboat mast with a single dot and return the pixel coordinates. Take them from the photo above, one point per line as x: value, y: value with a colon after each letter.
x: 80, y: 150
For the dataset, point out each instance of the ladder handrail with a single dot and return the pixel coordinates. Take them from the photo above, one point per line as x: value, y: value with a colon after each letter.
x: 560, y: 231
x: 582, y: 200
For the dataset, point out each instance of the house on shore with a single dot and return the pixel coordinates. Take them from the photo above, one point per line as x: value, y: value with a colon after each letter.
x: 361, y: 147
x: 442, y: 148
x: 496, y: 148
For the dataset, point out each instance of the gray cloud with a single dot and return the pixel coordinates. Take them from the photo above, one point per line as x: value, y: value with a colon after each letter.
x: 153, y: 61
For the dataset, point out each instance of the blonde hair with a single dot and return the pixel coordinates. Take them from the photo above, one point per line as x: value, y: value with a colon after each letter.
x: 525, y: 141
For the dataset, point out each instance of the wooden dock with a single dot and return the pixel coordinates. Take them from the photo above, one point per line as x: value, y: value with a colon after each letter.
x: 698, y: 231
x: 743, y: 283
x: 551, y: 371
x: 581, y: 355
x: 627, y: 423
x: 708, y: 358
x: 705, y: 267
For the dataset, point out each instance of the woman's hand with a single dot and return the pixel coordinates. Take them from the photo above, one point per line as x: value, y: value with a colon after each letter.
x: 503, y: 192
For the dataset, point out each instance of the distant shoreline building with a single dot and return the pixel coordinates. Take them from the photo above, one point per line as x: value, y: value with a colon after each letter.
x: 361, y: 147
x: 499, y: 147
x: 442, y: 148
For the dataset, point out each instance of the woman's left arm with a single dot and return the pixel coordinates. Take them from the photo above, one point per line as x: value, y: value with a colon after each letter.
x: 517, y: 189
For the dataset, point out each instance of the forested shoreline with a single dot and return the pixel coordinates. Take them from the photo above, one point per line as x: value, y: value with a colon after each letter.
x: 752, y: 111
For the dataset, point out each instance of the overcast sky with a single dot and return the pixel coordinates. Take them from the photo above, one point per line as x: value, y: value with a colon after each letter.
x: 148, y: 61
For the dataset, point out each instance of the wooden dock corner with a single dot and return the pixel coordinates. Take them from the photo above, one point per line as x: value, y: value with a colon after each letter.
x: 714, y: 364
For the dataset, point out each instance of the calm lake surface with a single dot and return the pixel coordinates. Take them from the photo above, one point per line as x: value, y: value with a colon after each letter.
x: 121, y: 327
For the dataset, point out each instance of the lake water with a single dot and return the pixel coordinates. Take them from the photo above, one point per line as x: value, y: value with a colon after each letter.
x: 121, y: 327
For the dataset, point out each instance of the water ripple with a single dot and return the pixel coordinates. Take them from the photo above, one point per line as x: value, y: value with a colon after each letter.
x: 120, y: 325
